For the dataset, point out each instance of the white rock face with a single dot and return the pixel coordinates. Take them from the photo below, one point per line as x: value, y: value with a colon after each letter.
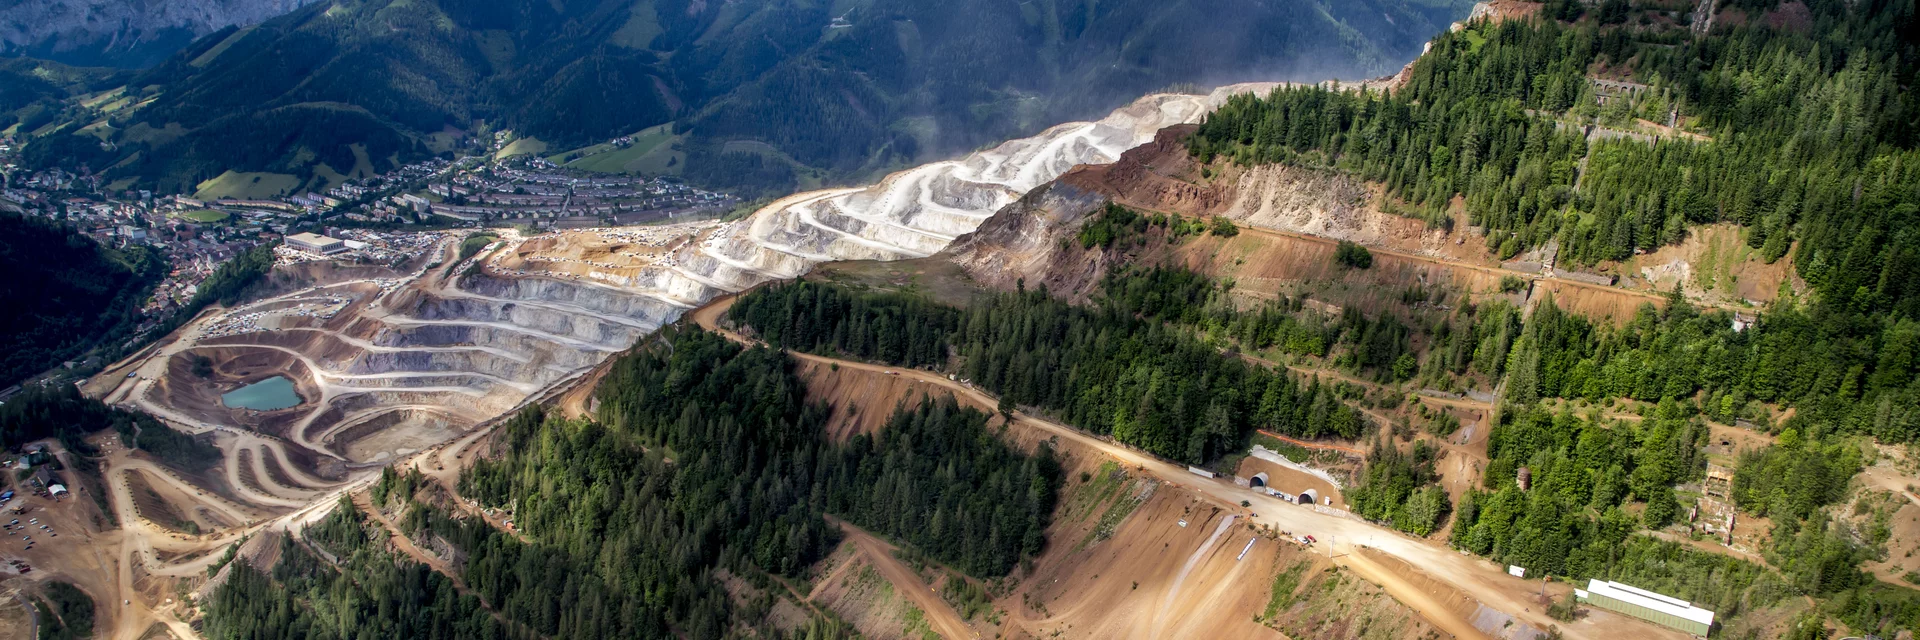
x: 917, y: 212
x: 123, y: 24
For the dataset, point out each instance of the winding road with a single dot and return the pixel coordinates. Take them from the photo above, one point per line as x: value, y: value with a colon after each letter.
x: 1476, y: 578
x: 939, y: 615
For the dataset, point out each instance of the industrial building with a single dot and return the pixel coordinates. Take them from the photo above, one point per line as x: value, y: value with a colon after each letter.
x: 1647, y: 605
x: 316, y: 243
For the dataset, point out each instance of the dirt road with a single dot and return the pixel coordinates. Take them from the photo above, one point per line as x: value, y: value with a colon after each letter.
x: 1407, y: 593
x: 406, y: 545
x: 1477, y: 578
x: 905, y: 580
x: 1888, y: 478
x: 1494, y: 270
x: 1315, y: 445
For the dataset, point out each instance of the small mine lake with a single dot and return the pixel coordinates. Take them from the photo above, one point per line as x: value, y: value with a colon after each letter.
x: 266, y: 395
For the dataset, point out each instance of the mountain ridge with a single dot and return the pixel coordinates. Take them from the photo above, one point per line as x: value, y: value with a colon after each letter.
x: 845, y: 95
x: 122, y: 33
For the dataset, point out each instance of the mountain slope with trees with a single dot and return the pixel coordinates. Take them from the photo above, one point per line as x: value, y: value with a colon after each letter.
x: 843, y: 92
x: 1613, y: 132
x: 66, y: 294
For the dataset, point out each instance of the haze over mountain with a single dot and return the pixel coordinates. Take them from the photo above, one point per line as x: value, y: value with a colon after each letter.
x: 773, y: 93
x: 122, y: 33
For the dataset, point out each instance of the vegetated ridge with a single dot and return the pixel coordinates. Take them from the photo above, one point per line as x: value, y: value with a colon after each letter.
x: 770, y: 92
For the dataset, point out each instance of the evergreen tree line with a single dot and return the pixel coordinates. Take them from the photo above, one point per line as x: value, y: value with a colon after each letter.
x: 1795, y: 476
x: 1187, y: 297
x: 891, y: 327
x: 1573, y: 520
x: 626, y: 542
x: 1473, y: 338
x: 1117, y: 225
x: 629, y: 538
x: 360, y: 590
x: 706, y: 457
x: 1399, y: 488
x: 65, y: 294
x: 1148, y: 384
x: 1846, y: 372
x: 61, y: 412
x: 1380, y: 346
x: 1812, y: 143
x: 1811, y: 150
x: 1579, y: 514
x: 936, y: 477
x: 1476, y: 339
x: 1581, y: 472
x: 66, y: 614
x: 229, y: 282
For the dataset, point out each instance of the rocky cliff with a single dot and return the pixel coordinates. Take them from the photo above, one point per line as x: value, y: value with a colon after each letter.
x: 121, y: 33
x: 1029, y: 239
x: 918, y: 212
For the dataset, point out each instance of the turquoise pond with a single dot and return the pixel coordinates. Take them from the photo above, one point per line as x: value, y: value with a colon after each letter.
x: 266, y: 395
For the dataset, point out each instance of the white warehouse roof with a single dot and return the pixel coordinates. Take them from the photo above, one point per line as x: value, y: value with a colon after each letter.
x: 1657, y: 602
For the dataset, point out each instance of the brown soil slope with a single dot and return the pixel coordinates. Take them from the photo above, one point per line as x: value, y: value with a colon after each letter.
x: 862, y: 401
x: 1128, y: 556
x: 1291, y: 219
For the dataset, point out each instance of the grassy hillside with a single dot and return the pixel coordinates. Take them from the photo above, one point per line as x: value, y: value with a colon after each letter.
x: 35, y: 93
x: 845, y: 89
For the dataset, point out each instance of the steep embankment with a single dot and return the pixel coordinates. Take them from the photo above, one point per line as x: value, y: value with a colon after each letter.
x: 1103, y: 576
x: 1290, y: 220
x: 918, y: 212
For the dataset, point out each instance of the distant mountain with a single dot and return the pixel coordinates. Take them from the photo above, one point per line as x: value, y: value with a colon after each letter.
x: 764, y: 94
x: 122, y: 33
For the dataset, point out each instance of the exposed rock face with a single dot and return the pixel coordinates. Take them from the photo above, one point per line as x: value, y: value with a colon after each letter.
x: 1030, y: 240
x: 415, y: 360
x: 918, y: 212
x: 1159, y: 175
x: 130, y: 33
x: 1027, y: 240
x: 1322, y: 203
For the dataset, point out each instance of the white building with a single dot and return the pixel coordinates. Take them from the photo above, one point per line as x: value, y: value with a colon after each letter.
x: 316, y: 243
x: 416, y: 202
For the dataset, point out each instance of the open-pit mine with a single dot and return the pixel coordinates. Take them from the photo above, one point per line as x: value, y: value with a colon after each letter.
x: 388, y: 366
x: 411, y: 359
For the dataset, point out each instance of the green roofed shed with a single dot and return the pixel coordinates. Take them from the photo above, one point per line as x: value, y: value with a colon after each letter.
x: 1647, y: 605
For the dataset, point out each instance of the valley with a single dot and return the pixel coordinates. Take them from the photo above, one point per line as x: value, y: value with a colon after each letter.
x: 413, y: 365
x: 1434, y: 355
x: 414, y: 369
